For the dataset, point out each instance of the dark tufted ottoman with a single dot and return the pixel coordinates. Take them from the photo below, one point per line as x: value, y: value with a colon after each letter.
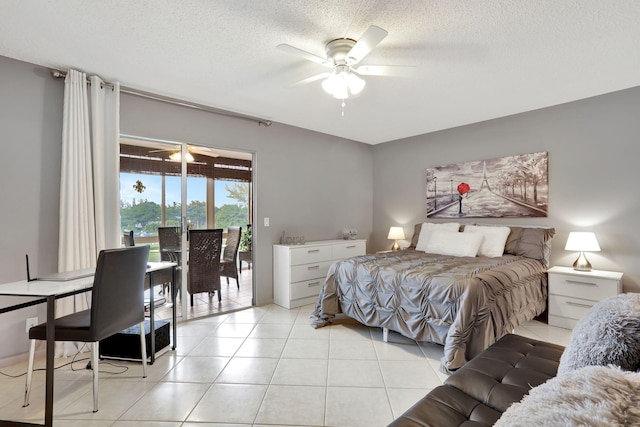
x: 479, y: 392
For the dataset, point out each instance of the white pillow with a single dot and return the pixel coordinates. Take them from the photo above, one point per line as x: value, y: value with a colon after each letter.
x: 454, y: 243
x: 494, y: 239
x: 428, y: 228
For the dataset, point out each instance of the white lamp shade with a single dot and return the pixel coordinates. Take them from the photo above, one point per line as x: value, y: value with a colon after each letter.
x: 582, y: 241
x: 396, y: 233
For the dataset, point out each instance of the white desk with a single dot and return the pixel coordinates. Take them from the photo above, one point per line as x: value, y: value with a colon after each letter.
x: 50, y: 290
x: 45, y: 291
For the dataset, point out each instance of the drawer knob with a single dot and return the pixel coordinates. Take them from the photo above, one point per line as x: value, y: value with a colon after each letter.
x: 313, y: 267
x: 351, y: 247
x: 313, y: 284
x: 313, y: 251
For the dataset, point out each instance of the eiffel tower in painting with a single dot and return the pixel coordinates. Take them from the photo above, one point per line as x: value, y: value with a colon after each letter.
x: 484, y: 177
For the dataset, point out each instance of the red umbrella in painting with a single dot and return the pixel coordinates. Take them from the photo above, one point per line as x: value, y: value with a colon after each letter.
x: 463, y: 188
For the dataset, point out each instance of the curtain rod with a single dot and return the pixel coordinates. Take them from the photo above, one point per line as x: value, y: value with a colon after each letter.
x: 58, y: 74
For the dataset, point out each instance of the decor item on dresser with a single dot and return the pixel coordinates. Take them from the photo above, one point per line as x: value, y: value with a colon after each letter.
x: 572, y: 293
x: 291, y: 240
x: 463, y: 302
x: 349, y: 233
x: 514, y: 186
x: 582, y: 241
x: 298, y: 271
x: 395, y: 234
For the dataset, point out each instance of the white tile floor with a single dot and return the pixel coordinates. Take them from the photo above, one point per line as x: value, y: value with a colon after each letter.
x: 261, y: 366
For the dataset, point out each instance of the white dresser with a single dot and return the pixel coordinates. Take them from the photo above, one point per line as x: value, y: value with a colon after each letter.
x: 572, y: 293
x: 300, y: 270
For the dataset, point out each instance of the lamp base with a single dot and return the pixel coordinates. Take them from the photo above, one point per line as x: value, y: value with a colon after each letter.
x: 582, y: 263
x: 396, y: 246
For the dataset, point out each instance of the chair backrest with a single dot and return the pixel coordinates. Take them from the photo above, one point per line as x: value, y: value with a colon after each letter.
x: 117, y: 300
x: 127, y: 238
x: 168, y: 239
x: 233, y: 242
x: 205, y: 247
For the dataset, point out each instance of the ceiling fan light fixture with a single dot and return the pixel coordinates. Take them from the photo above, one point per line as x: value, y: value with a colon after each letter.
x: 177, y: 157
x: 342, y: 83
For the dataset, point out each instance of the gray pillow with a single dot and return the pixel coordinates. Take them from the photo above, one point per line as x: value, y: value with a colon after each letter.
x: 609, y: 334
x: 530, y: 242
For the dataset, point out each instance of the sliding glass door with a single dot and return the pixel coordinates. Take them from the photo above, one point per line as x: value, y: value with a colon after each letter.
x: 170, y: 187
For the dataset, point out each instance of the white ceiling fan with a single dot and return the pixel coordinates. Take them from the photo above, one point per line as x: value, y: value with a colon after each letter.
x: 343, y: 57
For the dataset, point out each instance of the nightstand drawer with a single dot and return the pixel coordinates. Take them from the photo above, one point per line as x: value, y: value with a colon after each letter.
x: 573, y: 308
x: 594, y: 288
x: 308, y: 288
x: 310, y: 271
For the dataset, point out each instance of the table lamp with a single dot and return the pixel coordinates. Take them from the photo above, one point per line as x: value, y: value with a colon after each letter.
x: 396, y: 233
x: 582, y: 241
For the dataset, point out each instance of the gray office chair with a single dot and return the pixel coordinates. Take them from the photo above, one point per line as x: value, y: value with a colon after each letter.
x: 116, y: 304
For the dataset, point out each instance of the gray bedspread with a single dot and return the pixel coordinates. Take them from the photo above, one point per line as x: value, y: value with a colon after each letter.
x: 466, y: 304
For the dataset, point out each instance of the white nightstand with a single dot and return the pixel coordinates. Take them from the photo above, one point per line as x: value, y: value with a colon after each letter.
x: 572, y: 293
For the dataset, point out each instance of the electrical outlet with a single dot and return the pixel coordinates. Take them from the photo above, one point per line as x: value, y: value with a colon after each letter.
x: 32, y: 321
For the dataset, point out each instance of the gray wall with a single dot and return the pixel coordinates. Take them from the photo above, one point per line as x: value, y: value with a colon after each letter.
x: 30, y: 133
x: 593, y: 146
x: 307, y: 183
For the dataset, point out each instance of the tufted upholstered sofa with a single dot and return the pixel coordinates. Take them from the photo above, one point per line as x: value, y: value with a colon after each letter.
x: 478, y: 393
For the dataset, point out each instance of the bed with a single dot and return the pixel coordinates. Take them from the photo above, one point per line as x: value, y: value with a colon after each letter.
x: 441, y: 292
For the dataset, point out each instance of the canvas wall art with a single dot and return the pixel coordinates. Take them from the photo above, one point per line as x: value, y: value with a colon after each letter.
x: 505, y: 187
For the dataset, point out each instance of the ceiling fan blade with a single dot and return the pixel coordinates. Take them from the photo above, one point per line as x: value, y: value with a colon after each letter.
x: 369, y: 40
x: 312, y: 79
x: 304, y: 54
x: 386, y: 70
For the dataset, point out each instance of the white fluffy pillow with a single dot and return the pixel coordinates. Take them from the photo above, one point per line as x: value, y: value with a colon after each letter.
x: 453, y: 243
x: 592, y: 396
x: 493, y: 241
x: 428, y: 228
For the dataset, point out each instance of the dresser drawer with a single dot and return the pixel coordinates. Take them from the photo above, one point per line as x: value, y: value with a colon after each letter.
x: 573, y: 308
x: 310, y: 271
x: 308, y: 288
x: 307, y: 255
x: 594, y: 288
x: 348, y: 250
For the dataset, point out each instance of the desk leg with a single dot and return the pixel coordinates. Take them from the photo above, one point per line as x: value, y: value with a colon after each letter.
x: 51, y: 344
x: 174, y: 307
x: 152, y: 333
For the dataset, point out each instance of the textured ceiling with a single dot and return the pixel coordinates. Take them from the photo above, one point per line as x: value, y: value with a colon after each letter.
x: 475, y: 59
